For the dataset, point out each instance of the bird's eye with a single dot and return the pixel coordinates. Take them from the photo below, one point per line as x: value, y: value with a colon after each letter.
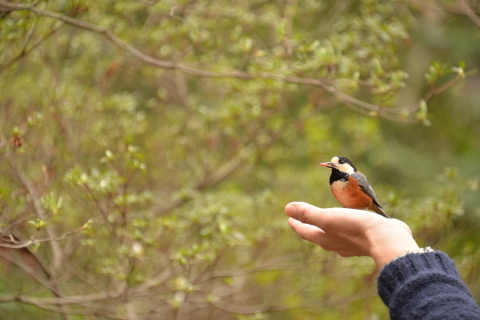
x: 340, y: 161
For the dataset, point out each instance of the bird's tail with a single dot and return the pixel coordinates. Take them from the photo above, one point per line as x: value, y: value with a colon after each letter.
x: 380, y: 211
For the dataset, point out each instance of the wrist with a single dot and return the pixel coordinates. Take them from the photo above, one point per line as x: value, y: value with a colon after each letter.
x: 393, y: 244
x: 387, y: 254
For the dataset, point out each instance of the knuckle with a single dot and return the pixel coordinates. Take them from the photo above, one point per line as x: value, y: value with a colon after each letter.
x: 303, y: 214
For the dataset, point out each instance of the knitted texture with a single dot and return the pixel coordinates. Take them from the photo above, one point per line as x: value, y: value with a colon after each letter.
x: 426, y: 286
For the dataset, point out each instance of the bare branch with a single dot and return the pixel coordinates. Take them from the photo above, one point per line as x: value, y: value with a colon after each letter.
x: 19, y: 245
x: 26, y: 51
x: 94, y: 297
x: 26, y: 269
x: 252, y: 309
x: 466, y: 10
x: 40, y: 304
x: 217, y: 176
x: 25, y: 180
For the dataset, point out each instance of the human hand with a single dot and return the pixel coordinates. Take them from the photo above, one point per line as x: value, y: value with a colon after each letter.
x: 351, y: 232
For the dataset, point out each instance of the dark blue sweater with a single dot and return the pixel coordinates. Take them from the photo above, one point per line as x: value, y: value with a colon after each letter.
x: 426, y: 286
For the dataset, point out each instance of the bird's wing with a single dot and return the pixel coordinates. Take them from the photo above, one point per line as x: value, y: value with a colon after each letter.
x: 365, y: 186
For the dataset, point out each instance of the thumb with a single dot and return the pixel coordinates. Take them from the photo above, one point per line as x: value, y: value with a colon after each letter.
x: 304, y: 212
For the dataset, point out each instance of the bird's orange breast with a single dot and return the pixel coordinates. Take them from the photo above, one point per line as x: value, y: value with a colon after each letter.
x: 349, y: 194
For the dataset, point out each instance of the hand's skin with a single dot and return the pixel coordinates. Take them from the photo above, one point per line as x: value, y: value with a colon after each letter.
x: 351, y: 232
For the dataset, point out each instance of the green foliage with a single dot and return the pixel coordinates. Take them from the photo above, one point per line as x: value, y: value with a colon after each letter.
x: 148, y: 148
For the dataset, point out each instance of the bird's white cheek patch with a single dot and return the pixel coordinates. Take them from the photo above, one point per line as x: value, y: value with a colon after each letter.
x: 346, y: 168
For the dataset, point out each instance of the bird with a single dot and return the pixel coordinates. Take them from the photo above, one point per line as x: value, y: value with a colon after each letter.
x: 350, y: 187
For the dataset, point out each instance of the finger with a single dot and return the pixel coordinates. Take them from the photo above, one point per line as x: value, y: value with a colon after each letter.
x: 306, y: 231
x: 318, y: 236
x: 306, y: 213
x: 347, y: 254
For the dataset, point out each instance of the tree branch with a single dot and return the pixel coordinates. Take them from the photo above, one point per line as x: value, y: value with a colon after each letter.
x: 466, y: 10
x: 56, y: 250
x: 347, y: 99
x: 18, y: 245
x: 26, y: 51
x: 252, y: 309
x: 40, y: 304
x: 217, y: 176
x: 94, y: 297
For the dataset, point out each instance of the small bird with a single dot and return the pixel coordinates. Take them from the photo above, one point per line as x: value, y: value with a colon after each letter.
x: 350, y: 187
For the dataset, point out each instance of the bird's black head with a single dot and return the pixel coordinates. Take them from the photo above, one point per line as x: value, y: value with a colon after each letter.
x: 341, y: 164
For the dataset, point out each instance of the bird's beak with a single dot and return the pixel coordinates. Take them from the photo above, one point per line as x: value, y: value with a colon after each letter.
x: 328, y: 164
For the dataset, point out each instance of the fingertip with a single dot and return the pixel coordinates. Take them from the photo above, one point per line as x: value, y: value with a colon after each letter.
x: 305, y: 231
x: 293, y: 209
x: 292, y: 222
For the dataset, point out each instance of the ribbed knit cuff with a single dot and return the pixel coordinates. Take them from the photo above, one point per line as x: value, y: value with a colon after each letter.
x: 396, y: 273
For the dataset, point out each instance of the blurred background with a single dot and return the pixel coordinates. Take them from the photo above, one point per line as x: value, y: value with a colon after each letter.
x: 148, y: 149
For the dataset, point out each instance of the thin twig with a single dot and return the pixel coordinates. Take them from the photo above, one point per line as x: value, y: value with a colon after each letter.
x: 466, y: 10
x: 253, y: 309
x: 19, y: 245
x: 25, y: 180
x: 217, y: 176
x: 26, y: 51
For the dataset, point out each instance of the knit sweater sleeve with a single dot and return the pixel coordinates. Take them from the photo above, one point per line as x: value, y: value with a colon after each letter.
x: 425, y: 286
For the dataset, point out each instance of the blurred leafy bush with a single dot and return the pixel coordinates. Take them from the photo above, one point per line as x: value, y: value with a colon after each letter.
x: 148, y: 149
